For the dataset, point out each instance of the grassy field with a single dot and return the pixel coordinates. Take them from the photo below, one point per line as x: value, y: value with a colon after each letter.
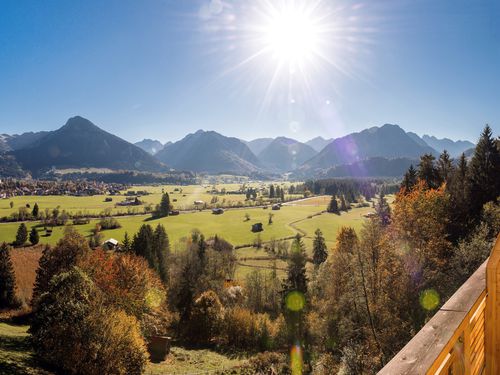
x: 302, y: 217
x: 184, y: 361
x: 231, y: 225
x: 184, y: 197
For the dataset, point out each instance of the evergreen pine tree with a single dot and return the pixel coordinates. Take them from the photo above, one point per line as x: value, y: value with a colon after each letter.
x: 271, y: 191
x: 164, y: 208
x: 34, y: 237
x: 319, y: 248
x: 142, y: 245
x: 427, y: 171
x: 126, y: 244
x: 458, y: 189
x: 343, y: 204
x: 162, y: 251
x: 445, y: 167
x: 185, y: 294
x: 383, y: 210
x: 409, y: 179
x: 484, y: 173
x: 333, y: 207
x: 22, y: 235
x: 282, y: 194
x: 202, y: 248
x: 296, y: 272
x: 35, y: 211
x: 7, y: 278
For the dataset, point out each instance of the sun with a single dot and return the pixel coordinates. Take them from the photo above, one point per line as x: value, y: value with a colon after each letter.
x: 291, y: 35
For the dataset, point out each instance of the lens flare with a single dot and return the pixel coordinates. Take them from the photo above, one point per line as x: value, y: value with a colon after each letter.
x: 429, y: 299
x: 295, y: 301
x: 296, y: 360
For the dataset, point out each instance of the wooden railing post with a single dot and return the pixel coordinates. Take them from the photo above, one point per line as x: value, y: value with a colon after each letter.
x: 492, y: 318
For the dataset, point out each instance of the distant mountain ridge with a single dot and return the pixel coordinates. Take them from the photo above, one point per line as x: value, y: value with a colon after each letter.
x: 318, y: 143
x: 455, y: 148
x: 388, y: 141
x: 20, y: 141
x: 211, y: 152
x: 285, y: 154
x: 151, y: 146
x: 80, y: 143
x: 259, y: 144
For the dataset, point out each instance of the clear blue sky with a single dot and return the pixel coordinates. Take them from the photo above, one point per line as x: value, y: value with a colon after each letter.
x: 162, y: 69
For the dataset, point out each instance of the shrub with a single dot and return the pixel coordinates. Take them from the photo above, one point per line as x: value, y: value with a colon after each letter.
x: 269, y: 363
x: 246, y: 330
x: 206, y: 318
x: 109, y: 223
x: 74, y: 331
x: 80, y: 221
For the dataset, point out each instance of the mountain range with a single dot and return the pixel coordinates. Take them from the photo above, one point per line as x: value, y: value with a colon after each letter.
x: 209, y: 151
x: 81, y: 144
x: 151, y: 146
x: 384, y: 151
x: 455, y: 148
x: 285, y: 154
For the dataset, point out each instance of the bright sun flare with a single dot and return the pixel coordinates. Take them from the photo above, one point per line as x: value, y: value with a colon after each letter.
x: 291, y: 36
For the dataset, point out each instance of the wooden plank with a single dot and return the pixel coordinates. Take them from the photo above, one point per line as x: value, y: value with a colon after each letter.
x: 478, y: 328
x: 443, y: 368
x: 492, y: 330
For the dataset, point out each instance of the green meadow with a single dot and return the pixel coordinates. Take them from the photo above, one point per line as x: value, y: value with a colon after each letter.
x: 302, y: 217
x: 182, y: 198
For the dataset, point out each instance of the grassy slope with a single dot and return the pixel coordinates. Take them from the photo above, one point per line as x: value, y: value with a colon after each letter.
x: 16, y: 355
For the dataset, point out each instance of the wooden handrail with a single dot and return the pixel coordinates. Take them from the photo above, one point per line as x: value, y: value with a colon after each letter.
x: 463, y: 337
x: 492, y: 322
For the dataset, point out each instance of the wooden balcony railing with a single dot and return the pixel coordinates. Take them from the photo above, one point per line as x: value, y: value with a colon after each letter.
x: 463, y: 337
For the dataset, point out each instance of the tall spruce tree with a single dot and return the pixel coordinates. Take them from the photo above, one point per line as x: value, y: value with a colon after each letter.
x: 34, y: 237
x: 142, y: 245
x: 271, y: 191
x: 319, y: 248
x: 445, y: 167
x: 164, y: 208
x: 383, y: 210
x: 7, y: 278
x: 458, y: 189
x: 35, y: 211
x: 484, y: 173
x: 296, y: 272
x: 409, y: 179
x: 427, y: 171
x: 126, y: 243
x: 333, y: 207
x: 21, y: 235
x: 343, y: 204
x: 161, y: 249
